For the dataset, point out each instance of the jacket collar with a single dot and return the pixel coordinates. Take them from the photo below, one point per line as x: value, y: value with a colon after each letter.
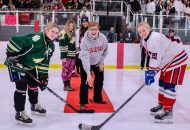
x: 148, y: 36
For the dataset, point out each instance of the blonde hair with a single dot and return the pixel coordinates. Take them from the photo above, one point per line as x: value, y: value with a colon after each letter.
x: 66, y: 28
x: 144, y: 24
x: 49, y: 26
x: 92, y: 24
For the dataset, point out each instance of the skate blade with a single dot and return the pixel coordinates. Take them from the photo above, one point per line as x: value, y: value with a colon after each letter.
x: 22, y: 123
x: 169, y: 121
x: 38, y: 114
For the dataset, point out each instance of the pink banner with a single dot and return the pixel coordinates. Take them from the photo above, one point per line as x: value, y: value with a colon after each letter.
x: 10, y: 19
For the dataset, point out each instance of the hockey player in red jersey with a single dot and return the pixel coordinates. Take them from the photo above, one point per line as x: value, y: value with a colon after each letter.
x: 168, y: 56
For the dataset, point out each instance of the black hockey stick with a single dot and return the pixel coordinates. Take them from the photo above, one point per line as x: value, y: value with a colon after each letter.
x: 97, y: 127
x: 59, y: 97
x: 76, y: 110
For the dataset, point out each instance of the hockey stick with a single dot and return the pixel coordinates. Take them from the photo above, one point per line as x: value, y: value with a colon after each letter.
x: 97, y: 127
x: 59, y: 97
x: 76, y: 110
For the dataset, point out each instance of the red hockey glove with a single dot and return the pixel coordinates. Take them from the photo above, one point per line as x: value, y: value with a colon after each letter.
x: 43, y: 83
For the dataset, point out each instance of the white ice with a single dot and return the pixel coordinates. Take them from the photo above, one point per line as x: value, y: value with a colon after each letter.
x: 119, y: 86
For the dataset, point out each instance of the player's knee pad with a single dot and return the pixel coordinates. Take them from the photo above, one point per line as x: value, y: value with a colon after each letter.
x: 16, y: 76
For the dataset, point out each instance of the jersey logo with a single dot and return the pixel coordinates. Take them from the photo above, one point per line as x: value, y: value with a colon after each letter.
x: 154, y: 56
x: 95, y: 49
x: 35, y: 38
x: 49, y: 51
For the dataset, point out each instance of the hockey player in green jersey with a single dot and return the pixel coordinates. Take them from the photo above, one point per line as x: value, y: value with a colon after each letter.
x: 30, y: 52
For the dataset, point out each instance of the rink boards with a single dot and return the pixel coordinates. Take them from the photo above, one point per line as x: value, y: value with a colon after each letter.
x: 120, y: 55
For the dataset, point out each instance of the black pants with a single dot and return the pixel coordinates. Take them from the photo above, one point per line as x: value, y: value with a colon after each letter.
x: 77, y: 63
x: 144, y: 57
x: 29, y: 85
x: 98, y: 84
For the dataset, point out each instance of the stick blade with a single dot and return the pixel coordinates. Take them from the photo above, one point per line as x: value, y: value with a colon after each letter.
x: 84, y: 127
x: 86, y: 111
x: 88, y: 127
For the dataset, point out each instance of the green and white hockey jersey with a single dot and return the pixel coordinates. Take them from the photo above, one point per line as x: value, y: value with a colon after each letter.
x: 33, y: 50
x: 67, y: 46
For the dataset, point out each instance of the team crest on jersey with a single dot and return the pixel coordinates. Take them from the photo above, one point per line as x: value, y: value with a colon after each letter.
x: 36, y: 38
x: 49, y: 51
x: 154, y: 56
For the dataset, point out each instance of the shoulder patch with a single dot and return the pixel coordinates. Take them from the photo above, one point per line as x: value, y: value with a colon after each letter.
x: 36, y: 38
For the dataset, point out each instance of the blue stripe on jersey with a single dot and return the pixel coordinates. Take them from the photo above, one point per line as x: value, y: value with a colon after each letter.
x: 184, y: 55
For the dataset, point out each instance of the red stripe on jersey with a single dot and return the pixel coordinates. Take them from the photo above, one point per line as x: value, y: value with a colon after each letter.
x: 162, y: 75
x: 182, y: 73
x: 180, y: 54
x: 175, y: 75
x: 168, y: 76
x: 168, y: 103
x: 160, y: 98
x: 179, y: 62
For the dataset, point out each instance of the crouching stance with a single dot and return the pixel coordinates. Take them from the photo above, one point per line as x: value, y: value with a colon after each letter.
x: 169, y: 56
x: 32, y: 53
x: 94, y: 49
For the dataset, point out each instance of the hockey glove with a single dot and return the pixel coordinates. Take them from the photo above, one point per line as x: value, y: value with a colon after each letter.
x: 12, y: 57
x: 43, y: 83
x: 13, y: 60
x: 149, y: 77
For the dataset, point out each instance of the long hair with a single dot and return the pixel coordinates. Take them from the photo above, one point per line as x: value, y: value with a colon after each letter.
x: 69, y: 33
x: 83, y: 29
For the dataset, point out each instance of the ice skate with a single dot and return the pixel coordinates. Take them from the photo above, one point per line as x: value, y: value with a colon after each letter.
x: 22, y: 118
x: 165, y: 117
x: 156, y: 110
x: 37, y: 109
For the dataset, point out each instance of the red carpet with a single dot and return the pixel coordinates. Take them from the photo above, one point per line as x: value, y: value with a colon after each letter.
x: 73, y: 99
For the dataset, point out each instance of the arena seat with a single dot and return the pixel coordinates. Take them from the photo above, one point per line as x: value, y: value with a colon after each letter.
x: 24, y: 18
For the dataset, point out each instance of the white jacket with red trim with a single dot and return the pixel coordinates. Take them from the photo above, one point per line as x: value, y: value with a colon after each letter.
x: 165, y: 54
